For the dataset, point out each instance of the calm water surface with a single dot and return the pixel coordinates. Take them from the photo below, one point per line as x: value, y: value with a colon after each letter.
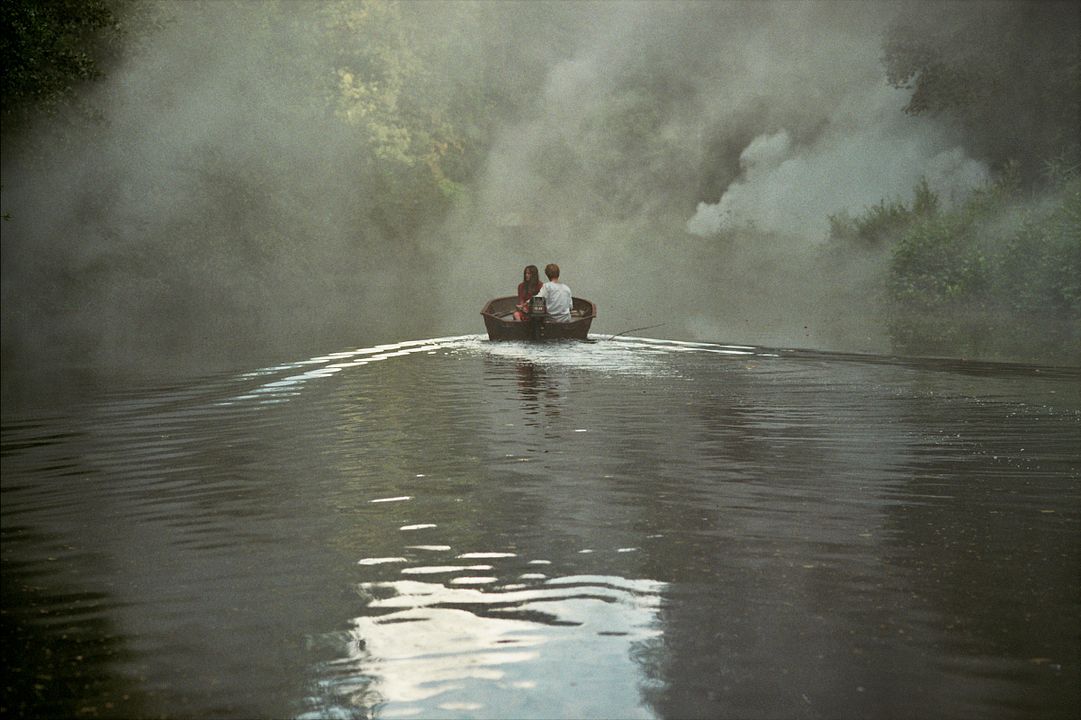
x: 623, y: 528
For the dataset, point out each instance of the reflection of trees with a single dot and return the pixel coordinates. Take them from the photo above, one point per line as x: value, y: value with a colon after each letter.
x: 812, y: 526
x: 736, y: 472
x: 64, y: 653
x: 61, y: 647
x: 993, y: 546
x: 806, y: 504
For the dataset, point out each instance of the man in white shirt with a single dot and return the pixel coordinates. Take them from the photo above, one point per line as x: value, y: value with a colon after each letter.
x: 556, y: 295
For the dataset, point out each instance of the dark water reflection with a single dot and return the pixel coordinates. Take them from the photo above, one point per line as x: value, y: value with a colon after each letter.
x: 457, y: 528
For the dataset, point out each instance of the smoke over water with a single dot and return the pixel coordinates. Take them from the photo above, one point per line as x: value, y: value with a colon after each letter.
x: 791, y: 190
x: 678, y: 160
x: 708, y: 217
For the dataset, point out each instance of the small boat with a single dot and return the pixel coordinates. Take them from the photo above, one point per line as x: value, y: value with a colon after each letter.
x: 499, y: 320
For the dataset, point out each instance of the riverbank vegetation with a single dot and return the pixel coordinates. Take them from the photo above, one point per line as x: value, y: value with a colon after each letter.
x: 303, y: 168
x: 998, y: 276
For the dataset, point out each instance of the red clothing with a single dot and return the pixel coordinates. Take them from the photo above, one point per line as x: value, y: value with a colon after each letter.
x: 524, y: 292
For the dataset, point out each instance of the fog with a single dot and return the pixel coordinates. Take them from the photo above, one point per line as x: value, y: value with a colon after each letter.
x: 779, y: 116
x: 216, y: 214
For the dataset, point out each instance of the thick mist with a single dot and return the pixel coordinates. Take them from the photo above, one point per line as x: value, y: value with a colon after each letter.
x: 210, y: 213
x: 709, y: 218
x: 216, y: 214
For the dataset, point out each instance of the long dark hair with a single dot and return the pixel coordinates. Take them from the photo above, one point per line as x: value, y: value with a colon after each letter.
x: 536, y: 277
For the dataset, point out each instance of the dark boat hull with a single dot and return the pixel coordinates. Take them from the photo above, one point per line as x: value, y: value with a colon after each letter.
x: 499, y: 321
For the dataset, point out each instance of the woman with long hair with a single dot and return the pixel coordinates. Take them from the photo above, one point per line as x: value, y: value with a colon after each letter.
x: 529, y: 287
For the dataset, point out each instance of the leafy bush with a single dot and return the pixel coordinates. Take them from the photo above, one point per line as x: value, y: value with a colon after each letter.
x: 1007, y: 74
x: 48, y: 47
x: 998, y: 277
x: 1040, y: 266
x: 886, y: 220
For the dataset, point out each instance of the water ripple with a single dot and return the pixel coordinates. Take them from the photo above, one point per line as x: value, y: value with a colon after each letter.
x: 455, y: 527
x: 423, y: 647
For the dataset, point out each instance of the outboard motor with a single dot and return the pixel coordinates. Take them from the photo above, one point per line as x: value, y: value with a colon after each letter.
x: 538, y: 313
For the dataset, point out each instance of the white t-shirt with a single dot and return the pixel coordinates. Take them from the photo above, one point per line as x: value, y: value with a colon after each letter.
x: 558, y: 297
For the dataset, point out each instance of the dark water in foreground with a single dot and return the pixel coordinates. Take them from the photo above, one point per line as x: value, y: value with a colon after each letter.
x: 630, y: 528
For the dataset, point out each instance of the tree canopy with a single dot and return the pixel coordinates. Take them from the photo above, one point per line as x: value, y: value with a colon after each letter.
x: 47, y: 48
x: 393, y: 108
x: 1008, y: 75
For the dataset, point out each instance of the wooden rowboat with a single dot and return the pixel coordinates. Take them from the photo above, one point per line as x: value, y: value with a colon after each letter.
x: 501, y: 325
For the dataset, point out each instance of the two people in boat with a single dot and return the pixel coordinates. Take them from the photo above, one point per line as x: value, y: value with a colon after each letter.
x: 556, y: 295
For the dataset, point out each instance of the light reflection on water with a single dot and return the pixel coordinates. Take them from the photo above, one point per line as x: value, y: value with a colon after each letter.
x: 511, y: 650
x: 450, y: 527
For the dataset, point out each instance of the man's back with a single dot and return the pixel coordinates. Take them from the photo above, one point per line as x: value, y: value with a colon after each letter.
x: 559, y: 300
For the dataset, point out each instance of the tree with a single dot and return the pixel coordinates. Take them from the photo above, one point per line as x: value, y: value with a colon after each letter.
x: 48, y: 48
x: 1008, y: 74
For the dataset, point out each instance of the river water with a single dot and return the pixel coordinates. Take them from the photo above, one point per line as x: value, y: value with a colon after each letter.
x: 619, y: 528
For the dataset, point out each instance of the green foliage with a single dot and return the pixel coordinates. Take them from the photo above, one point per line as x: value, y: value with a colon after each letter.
x: 1059, y: 170
x: 925, y: 202
x: 1009, y: 75
x: 885, y: 221
x: 877, y: 223
x: 376, y: 66
x: 998, y: 276
x: 424, y: 108
x: 47, y: 48
x: 937, y: 260
x: 1039, y: 268
x: 1001, y: 274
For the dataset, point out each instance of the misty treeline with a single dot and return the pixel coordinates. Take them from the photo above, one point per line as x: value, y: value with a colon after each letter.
x: 187, y: 178
x: 1000, y: 274
x: 304, y: 147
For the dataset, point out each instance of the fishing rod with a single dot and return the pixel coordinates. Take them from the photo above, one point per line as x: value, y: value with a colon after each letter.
x: 647, y: 327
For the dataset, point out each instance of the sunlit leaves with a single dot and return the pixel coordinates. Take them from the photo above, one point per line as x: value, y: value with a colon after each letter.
x: 376, y: 64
